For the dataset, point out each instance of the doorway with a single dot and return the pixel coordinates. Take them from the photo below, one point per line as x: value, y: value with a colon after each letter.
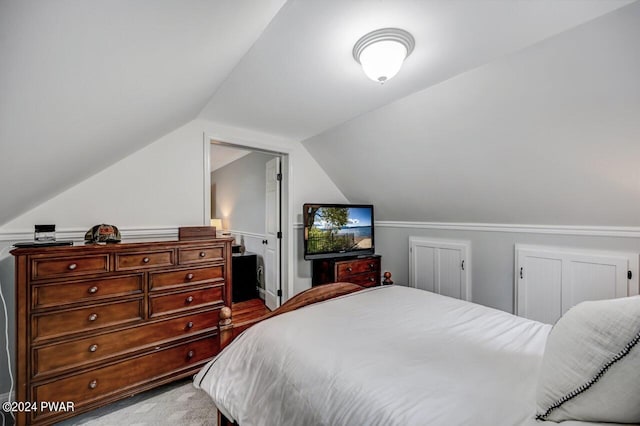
x: 247, y: 195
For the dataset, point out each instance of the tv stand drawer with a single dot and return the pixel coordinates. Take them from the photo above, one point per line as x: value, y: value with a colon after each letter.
x: 346, y: 269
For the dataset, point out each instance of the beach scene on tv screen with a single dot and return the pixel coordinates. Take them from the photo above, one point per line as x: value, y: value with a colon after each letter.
x: 337, y: 229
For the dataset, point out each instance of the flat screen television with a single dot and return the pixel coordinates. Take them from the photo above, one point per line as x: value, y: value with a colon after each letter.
x: 337, y: 230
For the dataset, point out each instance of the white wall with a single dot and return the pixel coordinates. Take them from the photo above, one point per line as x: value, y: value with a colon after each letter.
x: 159, y: 185
x: 156, y: 189
x: 492, y: 250
x: 240, y: 193
x: 162, y: 185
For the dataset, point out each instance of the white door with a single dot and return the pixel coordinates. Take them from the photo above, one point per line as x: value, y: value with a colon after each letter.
x: 272, y: 229
x: 440, y: 266
x: 593, y: 278
x: 539, y: 290
x: 550, y: 280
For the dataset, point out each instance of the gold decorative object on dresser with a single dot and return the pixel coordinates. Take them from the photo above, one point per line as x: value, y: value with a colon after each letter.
x: 98, y: 323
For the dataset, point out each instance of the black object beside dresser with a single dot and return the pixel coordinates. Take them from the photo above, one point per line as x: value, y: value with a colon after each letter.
x: 244, y: 268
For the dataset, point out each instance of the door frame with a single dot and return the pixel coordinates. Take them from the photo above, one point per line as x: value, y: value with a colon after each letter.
x: 273, y: 188
x: 286, y: 201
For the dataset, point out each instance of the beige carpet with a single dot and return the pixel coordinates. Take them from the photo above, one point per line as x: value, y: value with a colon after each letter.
x: 177, y: 403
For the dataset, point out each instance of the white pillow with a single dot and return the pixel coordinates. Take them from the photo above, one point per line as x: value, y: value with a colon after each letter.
x: 591, y: 365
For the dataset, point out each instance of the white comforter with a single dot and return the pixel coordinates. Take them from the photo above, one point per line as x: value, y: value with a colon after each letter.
x: 385, y: 356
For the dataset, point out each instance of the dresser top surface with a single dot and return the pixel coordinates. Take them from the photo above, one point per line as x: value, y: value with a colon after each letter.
x: 78, y: 247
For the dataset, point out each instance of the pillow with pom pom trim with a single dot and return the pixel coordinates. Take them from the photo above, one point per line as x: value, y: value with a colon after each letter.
x: 591, y: 365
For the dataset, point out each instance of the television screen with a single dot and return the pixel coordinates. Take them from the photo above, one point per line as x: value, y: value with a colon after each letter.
x: 337, y: 230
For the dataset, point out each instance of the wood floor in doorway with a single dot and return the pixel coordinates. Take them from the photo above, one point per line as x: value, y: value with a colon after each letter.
x: 248, y: 310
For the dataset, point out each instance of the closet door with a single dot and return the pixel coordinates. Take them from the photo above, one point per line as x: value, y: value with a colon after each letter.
x: 539, y: 289
x: 594, y: 277
x: 550, y: 280
x: 440, y: 266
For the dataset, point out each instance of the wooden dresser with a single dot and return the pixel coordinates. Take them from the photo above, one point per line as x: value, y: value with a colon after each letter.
x: 363, y: 270
x: 97, y: 323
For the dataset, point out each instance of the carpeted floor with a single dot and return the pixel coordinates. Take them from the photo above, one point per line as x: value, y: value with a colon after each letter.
x: 177, y: 403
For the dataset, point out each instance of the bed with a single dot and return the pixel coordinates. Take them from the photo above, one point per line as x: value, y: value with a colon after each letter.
x: 390, y: 355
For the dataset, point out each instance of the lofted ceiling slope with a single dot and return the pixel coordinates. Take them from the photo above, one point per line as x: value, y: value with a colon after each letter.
x: 84, y: 84
x: 300, y: 79
x: 548, y: 135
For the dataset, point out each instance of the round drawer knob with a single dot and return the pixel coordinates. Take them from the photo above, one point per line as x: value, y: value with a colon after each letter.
x: 371, y: 266
x: 190, y: 354
x: 349, y: 269
x: 189, y: 325
x: 189, y: 276
x: 73, y: 266
x: 189, y: 299
x: 93, y: 384
x: 202, y: 254
x: 93, y: 348
x: 93, y: 317
x: 372, y: 279
x: 145, y: 260
x: 93, y: 290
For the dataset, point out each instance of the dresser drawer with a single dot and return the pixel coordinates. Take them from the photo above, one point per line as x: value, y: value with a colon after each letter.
x: 165, y: 280
x: 43, y: 268
x: 366, y: 280
x: 85, y: 319
x: 184, y: 300
x: 146, y: 259
x: 346, y: 269
x: 90, y: 386
x: 56, y: 358
x: 200, y: 255
x: 82, y: 291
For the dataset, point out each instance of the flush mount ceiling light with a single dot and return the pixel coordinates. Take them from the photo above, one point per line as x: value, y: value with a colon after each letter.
x: 381, y: 52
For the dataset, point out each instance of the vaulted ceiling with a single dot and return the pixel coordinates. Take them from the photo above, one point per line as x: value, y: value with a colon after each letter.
x: 84, y: 84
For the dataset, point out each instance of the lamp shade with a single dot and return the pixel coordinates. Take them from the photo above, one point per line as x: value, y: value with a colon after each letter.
x: 217, y: 223
x: 382, y: 52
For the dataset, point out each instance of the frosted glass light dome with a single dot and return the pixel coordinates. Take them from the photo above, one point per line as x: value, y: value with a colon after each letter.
x: 382, y: 52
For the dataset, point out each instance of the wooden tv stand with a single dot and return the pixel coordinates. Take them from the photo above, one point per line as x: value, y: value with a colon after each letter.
x: 362, y: 270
